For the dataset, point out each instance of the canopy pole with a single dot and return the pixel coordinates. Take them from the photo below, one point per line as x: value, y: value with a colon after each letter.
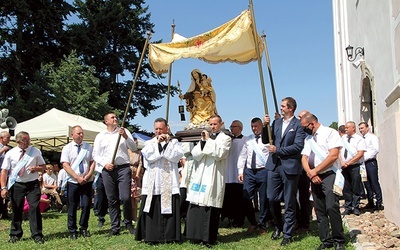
x: 169, y: 76
x: 253, y: 20
x: 270, y: 72
x: 131, y: 93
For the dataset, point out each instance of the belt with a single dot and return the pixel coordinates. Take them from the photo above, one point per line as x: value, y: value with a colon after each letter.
x: 370, y: 160
x: 327, y: 173
x: 256, y: 169
x: 122, y: 166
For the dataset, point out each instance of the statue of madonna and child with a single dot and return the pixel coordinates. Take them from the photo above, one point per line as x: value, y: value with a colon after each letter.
x: 200, y: 103
x: 200, y: 100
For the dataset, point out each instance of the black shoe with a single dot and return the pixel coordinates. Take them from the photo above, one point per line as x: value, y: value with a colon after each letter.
x: 275, y: 234
x: 73, y: 236
x: 38, y: 240
x: 286, y: 241
x: 369, y: 206
x: 324, y: 246
x: 100, y: 224
x: 346, y: 212
x: 339, y: 246
x: 356, y: 211
x: 13, y: 239
x: 85, y: 233
x: 378, y: 207
x: 130, y: 229
x: 113, y: 233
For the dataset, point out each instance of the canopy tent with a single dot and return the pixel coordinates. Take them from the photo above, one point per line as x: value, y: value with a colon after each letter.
x: 142, y: 138
x: 230, y: 42
x: 51, y: 131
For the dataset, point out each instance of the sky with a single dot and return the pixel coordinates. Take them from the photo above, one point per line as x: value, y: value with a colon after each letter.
x: 299, y: 38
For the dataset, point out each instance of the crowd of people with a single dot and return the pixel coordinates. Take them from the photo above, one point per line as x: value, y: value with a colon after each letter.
x: 287, y: 160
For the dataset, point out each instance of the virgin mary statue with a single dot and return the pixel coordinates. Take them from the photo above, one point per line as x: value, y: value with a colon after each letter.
x: 200, y: 98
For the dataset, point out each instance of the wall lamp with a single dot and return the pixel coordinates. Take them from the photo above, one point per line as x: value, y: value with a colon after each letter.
x: 358, y: 51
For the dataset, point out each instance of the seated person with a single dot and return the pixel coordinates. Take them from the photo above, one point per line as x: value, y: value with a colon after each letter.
x: 50, y: 185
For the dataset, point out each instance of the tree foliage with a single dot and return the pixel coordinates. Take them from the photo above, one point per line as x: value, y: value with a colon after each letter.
x: 108, y: 37
x: 74, y: 88
x: 31, y: 33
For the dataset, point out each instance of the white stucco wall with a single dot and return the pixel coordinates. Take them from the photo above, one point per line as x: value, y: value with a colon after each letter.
x: 373, y: 25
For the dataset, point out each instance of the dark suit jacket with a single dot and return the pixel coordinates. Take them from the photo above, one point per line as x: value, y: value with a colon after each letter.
x: 288, y: 146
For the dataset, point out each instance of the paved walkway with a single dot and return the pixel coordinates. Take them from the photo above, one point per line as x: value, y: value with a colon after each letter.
x: 372, y: 231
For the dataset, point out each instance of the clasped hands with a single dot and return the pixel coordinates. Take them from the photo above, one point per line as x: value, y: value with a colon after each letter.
x: 314, y: 177
x: 163, y: 137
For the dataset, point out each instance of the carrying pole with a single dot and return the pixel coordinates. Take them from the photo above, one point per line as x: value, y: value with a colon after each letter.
x: 257, y: 48
x: 131, y: 93
x: 169, y: 77
x: 270, y: 72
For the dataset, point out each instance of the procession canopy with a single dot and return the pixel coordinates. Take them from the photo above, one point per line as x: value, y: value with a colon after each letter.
x: 230, y: 42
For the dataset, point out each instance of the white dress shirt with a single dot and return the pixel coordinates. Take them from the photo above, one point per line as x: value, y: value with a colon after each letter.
x: 13, y: 157
x: 246, y: 154
x: 357, y: 143
x: 70, y: 153
x: 104, y: 147
x: 372, y: 142
x: 326, y: 138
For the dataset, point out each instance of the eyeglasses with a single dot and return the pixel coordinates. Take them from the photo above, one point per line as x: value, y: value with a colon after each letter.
x: 25, y: 141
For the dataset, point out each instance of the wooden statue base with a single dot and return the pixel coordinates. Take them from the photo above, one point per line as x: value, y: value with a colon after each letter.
x: 191, y: 135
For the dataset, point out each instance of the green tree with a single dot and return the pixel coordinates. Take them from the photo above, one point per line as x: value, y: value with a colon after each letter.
x: 334, y: 125
x: 111, y: 36
x: 74, y: 88
x: 31, y: 33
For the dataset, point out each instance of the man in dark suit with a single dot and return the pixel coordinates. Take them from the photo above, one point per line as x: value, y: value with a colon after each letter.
x: 284, y: 167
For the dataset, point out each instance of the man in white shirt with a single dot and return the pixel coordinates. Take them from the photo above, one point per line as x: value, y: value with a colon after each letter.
x: 253, y: 174
x: 159, y: 219
x: 320, y: 161
x: 77, y: 160
x: 372, y: 185
x: 352, y: 156
x: 116, y: 173
x: 24, y: 162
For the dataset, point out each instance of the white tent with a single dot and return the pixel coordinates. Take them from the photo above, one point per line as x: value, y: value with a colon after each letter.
x: 51, y: 131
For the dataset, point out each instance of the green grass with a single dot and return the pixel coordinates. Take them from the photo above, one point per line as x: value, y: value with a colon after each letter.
x: 56, y: 237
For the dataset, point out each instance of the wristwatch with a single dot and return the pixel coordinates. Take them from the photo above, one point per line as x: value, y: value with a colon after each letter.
x: 3, y: 188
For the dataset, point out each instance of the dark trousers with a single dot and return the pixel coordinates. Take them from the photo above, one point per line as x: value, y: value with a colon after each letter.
x: 79, y: 195
x: 100, y: 200
x: 233, y: 198
x: 279, y: 183
x: 303, y: 207
x: 184, y: 204
x: 372, y: 185
x: 352, y: 187
x: 118, y: 188
x: 32, y: 192
x: 326, y: 205
x: 255, y: 179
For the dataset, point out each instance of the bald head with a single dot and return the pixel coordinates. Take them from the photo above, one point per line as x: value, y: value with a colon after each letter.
x: 302, y: 113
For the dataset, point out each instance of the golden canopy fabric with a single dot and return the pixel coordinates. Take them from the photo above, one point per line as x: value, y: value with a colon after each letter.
x: 232, y: 41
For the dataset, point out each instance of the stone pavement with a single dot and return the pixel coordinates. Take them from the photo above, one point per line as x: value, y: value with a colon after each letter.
x: 372, y: 231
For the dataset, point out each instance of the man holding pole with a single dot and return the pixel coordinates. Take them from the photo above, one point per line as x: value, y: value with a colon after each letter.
x: 284, y: 167
x: 116, y: 173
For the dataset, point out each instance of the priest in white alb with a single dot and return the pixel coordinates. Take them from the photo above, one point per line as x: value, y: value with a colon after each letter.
x: 159, y: 219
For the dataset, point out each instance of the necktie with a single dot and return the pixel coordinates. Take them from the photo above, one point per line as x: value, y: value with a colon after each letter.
x: 253, y: 156
x: 81, y: 169
x: 345, y: 150
x: 22, y: 170
x: 311, y: 157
